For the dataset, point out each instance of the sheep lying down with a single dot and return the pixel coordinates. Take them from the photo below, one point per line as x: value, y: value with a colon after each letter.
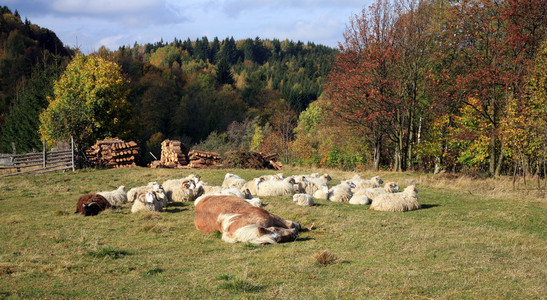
x: 406, y: 200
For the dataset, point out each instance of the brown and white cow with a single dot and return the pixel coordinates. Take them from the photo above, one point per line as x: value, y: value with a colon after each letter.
x: 239, y: 221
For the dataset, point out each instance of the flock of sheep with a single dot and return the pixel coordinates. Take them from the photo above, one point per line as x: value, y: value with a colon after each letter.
x: 303, y: 189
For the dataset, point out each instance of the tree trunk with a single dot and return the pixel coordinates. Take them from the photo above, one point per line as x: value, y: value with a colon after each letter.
x: 437, y: 165
x: 377, y: 148
x: 491, y: 169
x: 409, y: 165
x: 500, y: 162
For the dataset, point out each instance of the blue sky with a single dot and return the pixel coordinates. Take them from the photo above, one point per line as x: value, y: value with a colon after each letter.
x: 90, y: 24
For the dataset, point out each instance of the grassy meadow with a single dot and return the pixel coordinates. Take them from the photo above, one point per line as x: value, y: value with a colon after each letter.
x: 472, y: 239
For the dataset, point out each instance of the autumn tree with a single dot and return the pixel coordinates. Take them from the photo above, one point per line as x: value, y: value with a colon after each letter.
x: 89, y: 103
x: 524, y: 126
x: 486, y: 47
x: 370, y: 88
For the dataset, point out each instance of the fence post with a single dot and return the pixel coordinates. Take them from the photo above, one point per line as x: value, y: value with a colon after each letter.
x: 14, y: 153
x: 72, y: 151
x: 44, y: 153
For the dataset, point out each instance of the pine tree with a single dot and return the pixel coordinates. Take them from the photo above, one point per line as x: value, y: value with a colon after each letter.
x: 224, y: 73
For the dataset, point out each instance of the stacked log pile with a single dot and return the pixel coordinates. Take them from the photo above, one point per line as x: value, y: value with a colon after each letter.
x: 202, y: 159
x: 113, y: 153
x: 174, y: 154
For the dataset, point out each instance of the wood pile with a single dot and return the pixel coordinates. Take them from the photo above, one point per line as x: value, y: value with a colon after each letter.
x: 174, y: 154
x: 202, y: 159
x: 251, y: 160
x: 273, y: 159
x: 113, y: 153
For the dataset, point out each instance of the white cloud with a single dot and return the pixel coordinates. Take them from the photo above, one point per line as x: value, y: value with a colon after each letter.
x: 100, y: 7
x: 112, y: 23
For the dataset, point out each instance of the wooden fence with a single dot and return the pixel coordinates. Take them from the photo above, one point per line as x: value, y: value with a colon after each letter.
x: 38, y: 162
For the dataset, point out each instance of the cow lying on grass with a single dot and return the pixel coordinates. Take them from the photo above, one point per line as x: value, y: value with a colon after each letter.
x: 239, y: 221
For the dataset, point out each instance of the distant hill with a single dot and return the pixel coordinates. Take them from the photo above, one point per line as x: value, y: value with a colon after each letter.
x: 26, y: 49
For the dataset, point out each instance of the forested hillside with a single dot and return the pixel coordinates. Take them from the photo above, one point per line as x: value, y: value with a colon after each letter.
x: 415, y: 85
x: 180, y: 90
x: 31, y: 58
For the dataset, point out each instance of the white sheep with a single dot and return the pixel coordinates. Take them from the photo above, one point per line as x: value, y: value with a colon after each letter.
x: 132, y: 193
x: 322, y: 193
x: 373, y: 193
x: 251, y: 185
x: 115, y: 197
x: 218, y: 190
x: 341, y: 192
x: 181, y: 190
x: 146, y: 201
x: 361, y: 183
x: 160, y: 194
x: 319, y: 179
x: 233, y: 181
x: 359, y: 200
x: 254, y: 201
x: 279, y: 176
x: 303, y: 199
x: 405, y: 201
x: 269, y: 188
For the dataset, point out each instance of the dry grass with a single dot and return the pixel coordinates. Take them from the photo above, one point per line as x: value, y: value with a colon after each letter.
x: 324, y: 257
x: 469, y: 241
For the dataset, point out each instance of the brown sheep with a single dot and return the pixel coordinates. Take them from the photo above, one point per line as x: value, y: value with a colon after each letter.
x: 91, y: 204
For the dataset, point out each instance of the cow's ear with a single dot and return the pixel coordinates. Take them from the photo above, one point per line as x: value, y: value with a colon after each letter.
x: 262, y: 231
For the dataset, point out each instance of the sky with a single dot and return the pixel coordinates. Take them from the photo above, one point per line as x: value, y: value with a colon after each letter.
x: 90, y: 24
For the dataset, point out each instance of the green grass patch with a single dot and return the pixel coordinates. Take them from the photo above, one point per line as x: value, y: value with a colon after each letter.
x: 109, y: 252
x: 238, y: 286
x: 473, y: 239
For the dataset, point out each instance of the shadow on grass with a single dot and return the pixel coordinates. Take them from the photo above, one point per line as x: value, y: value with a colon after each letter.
x: 304, y: 239
x: 426, y: 206
x: 176, y: 210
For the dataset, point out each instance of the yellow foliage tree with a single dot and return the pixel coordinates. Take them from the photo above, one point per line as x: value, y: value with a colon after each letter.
x: 524, y: 126
x: 89, y: 103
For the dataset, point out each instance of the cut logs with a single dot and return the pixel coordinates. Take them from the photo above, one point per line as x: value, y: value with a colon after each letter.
x: 174, y: 154
x: 113, y: 153
x: 202, y: 159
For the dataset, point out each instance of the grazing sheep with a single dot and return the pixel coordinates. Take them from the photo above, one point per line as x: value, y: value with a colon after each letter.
x: 373, y: 193
x: 405, y: 201
x: 132, y: 193
x: 276, y: 188
x: 115, y: 197
x: 341, y: 192
x: 91, y: 204
x: 146, y: 201
x: 233, y: 181
x: 361, y: 183
x: 303, y: 199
